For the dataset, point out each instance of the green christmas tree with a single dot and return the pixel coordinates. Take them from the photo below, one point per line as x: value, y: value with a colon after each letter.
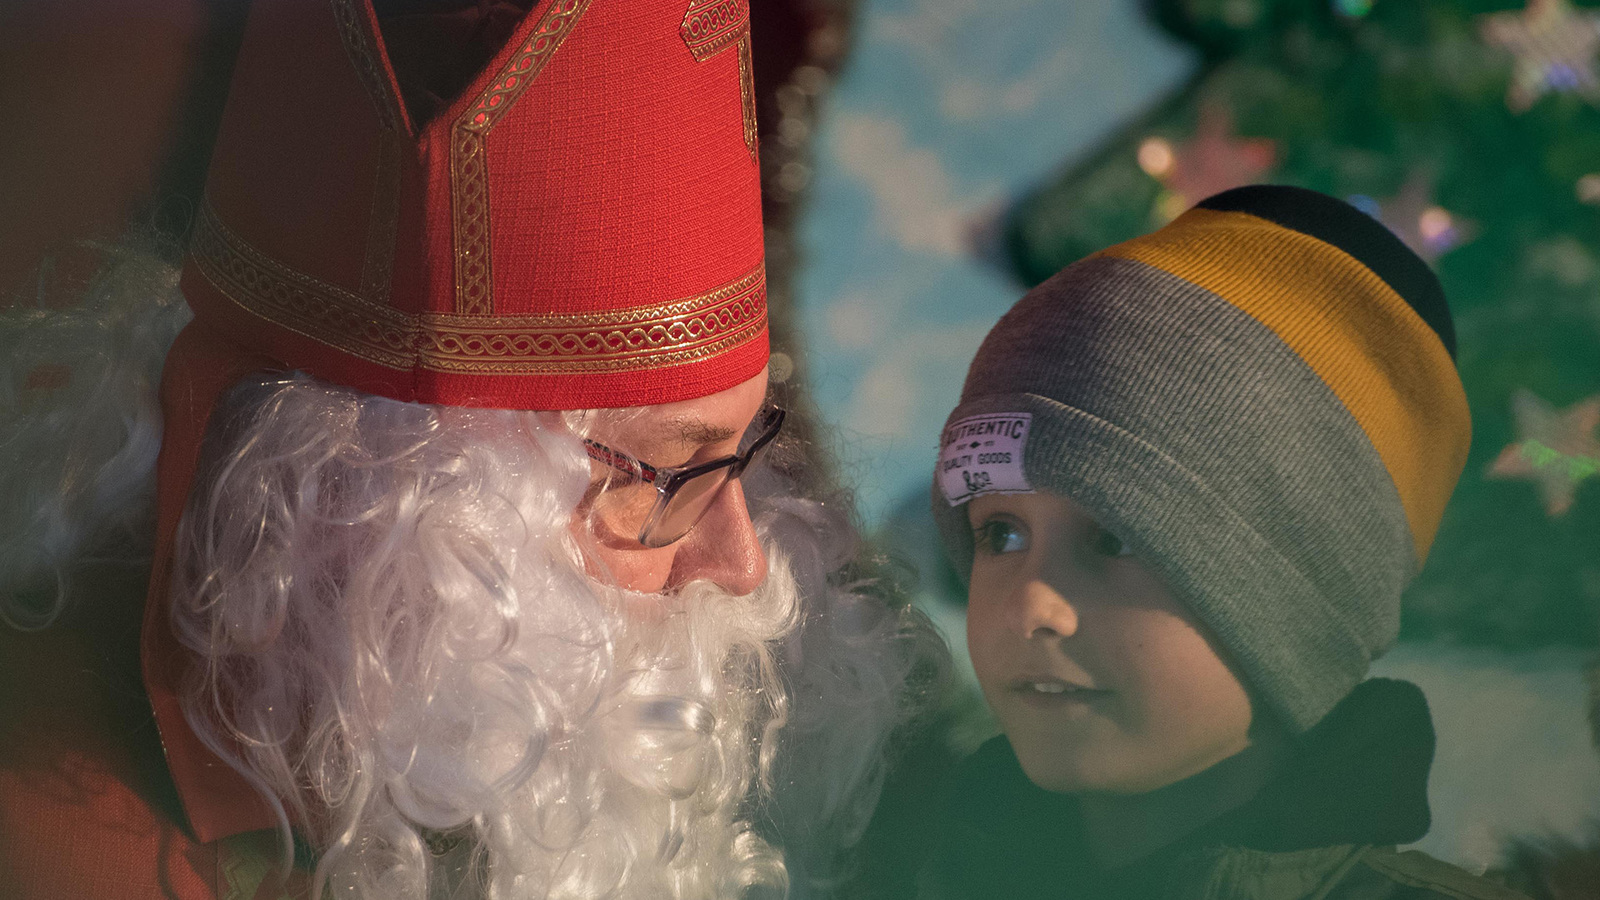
x: 1472, y: 129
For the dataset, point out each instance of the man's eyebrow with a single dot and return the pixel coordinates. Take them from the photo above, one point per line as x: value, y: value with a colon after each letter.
x: 691, y: 430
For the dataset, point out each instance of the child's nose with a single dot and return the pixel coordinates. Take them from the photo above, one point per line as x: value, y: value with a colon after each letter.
x: 1044, y: 613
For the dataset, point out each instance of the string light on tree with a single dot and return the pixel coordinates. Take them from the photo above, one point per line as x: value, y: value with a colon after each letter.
x: 1589, y: 189
x: 1156, y: 157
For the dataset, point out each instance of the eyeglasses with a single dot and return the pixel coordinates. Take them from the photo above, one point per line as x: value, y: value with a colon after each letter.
x: 664, y: 503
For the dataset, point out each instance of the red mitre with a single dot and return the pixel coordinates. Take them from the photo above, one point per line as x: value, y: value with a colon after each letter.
x: 580, y: 228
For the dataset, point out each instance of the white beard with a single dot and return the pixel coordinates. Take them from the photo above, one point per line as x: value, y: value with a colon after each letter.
x: 396, y: 629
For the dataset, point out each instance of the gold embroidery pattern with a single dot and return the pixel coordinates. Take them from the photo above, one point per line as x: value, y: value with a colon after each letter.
x: 657, y: 335
x: 307, y: 306
x: 361, y: 47
x: 747, y: 95
x: 363, y: 52
x: 711, y: 25
x: 469, y: 182
x: 469, y: 172
x: 642, y: 337
x: 523, y: 68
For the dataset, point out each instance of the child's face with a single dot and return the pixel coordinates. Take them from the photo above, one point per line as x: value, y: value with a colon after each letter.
x: 1102, y: 681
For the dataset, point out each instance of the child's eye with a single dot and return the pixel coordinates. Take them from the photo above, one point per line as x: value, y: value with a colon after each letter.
x: 998, y: 536
x: 1108, y: 544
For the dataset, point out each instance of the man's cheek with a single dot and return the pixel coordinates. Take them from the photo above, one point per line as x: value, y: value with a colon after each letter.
x: 638, y: 570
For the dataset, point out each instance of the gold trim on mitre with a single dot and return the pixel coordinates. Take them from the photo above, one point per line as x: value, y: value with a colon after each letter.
x: 639, y: 337
x: 362, y: 48
x: 712, y: 26
x: 469, y: 165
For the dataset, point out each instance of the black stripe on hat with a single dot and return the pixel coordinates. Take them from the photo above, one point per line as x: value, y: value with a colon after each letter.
x: 1338, y: 223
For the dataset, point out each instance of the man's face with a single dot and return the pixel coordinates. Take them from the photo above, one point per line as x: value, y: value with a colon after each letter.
x: 722, y: 547
x: 1102, y: 681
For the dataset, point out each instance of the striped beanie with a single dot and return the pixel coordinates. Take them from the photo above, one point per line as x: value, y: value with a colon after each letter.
x: 1260, y: 399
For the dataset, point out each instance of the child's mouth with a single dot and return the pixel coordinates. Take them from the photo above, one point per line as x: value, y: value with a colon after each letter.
x: 1050, y: 691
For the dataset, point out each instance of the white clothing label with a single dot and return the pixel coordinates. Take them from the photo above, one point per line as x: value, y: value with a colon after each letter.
x: 983, y: 455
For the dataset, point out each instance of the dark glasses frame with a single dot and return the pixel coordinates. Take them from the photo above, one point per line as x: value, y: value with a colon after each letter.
x: 668, y: 481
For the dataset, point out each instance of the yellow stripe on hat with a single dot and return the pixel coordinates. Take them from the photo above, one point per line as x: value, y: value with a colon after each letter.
x: 1367, y: 344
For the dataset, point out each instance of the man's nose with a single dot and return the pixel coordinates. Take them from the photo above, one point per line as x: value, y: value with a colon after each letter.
x: 1042, y: 612
x: 722, y: 547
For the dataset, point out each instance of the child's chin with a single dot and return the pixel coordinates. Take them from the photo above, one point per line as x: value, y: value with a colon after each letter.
x: 1071, y: 773
x: 1091, y: 768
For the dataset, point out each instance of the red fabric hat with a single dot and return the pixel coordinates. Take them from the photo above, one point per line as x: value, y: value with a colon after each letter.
x: 581, y: 228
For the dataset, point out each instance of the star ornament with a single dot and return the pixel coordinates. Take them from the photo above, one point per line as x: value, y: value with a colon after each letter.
x: 1427, y: 228
x: 1555, y: 48
x: 1556, y: 451
x: 1210, y: 162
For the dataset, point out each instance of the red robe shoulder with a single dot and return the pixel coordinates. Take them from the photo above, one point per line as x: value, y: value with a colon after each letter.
x: 85, y: 807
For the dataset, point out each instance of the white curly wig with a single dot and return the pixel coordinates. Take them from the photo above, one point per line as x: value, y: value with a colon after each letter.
x: 399, y: 644
x: 80, y: 425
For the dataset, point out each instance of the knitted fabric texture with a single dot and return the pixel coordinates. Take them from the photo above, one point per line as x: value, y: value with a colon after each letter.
x: 1260, y: 399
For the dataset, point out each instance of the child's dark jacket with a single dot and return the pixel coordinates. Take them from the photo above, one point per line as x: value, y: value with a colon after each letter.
x: 1324, y: 829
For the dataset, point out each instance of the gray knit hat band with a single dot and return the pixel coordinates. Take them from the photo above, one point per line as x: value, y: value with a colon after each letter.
x: 1195, y: 434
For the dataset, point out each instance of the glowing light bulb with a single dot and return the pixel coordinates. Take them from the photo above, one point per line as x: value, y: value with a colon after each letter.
x: 1156, y: 157
x: 1436, y: 226
x: 1589, y: 189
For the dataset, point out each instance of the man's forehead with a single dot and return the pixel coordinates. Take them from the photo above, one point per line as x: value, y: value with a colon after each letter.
x: 712, y: 419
